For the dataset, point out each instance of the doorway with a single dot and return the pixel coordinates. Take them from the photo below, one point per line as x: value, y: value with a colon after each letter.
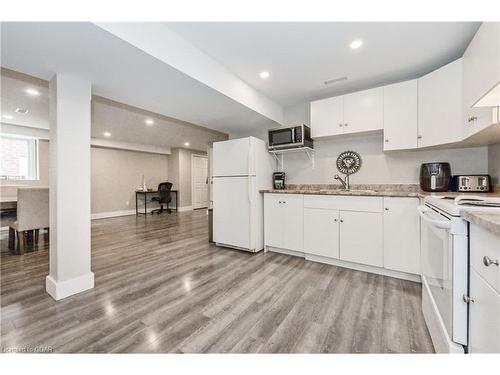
x: 199, y: 181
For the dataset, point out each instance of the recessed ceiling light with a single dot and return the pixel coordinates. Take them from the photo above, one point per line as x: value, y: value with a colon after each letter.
x: 107, y: 134
x: 8, y: 117
x: 264, y: 75
x: 355, y: 44
x: 149, y: 121
x: 22, y: 111
x: 32, y: 92
x: 186, y: 144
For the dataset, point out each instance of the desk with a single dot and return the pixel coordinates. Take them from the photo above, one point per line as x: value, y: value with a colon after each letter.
x: 144, y: 195
x: 8, y: 203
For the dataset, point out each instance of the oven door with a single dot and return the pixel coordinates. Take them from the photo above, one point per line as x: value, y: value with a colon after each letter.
x: 444, y: 268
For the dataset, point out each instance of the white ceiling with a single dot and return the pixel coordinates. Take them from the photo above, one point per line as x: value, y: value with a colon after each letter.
x: 121, y: 72
x: 13, y: 95
x: 301, y: 56
x: 125, y: 123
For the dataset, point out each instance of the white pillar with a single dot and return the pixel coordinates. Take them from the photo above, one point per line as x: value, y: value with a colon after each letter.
x: 69, y: 187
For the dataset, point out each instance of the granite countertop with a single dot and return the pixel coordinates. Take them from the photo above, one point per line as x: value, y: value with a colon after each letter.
x: 375, y: 190
x: 488, y: 220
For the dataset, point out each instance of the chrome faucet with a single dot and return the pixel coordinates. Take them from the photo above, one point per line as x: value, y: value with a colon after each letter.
x: 345, y: 182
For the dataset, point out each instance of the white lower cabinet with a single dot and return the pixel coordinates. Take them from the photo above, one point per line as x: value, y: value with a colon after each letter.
x: 283, y: 221
x: 484, y: 291
x: 361, y: 237
x: 370, y: 231
x: 484, y: 316
x: 401, y: 235
x: 321, y: 232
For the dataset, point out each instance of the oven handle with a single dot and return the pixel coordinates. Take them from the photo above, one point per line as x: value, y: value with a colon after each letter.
x: 443, y: 224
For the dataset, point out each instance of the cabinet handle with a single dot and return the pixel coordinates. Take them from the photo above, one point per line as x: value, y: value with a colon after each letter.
x: 346, y: 124
x: 335, y: 220
x: 419, y: 136
x: 468, y: 299
x: 488, y: 261
x: 387, y: 208
x: 474, y: 118
x: 386, y: 141
x: 341, y: 220
x: 340, y: 125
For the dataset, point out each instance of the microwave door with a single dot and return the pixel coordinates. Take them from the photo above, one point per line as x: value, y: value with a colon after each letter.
x: 281, y: 137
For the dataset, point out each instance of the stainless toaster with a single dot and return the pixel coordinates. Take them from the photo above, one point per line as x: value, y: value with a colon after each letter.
x: 475, y: 183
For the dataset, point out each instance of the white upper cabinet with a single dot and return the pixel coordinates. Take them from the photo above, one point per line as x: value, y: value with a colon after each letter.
x: 357, y: 112
x: 327, y: 117
x: 440, y: 106
x: 401, y: 116
x: 481, y: 72
x: 364, y: 111
x: 482, y: 63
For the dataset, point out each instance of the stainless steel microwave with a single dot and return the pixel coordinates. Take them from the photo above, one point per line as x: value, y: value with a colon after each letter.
x: 290, y: 137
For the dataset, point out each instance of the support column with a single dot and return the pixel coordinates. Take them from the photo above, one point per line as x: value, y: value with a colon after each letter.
x: 69, y: 248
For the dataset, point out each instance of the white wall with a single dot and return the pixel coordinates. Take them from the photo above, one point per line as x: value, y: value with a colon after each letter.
x: 378, y: 167
x: 494, y: 163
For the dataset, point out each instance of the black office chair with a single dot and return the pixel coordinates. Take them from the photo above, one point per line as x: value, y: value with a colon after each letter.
x: 164, y: 198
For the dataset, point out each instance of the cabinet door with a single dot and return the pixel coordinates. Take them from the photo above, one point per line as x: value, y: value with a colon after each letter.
x: 273, y: 225
x: 440, y: 106
x: 321, y: 232
x: 484, y: 316
x: 482, y: 63
x: 401, y: 235
x: 361, y: 237
x: 400, y: 116
x: 363, y: 111
x: 293, y: 223
x: 327, y: 117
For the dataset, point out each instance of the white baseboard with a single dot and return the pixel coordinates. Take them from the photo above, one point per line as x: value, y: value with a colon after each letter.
x: 105, y: 215
x: 62, y: 289
x: 345, y: 264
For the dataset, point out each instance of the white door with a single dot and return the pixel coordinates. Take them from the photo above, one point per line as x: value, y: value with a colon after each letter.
x: 361, y: 237
x: 364, y: 111
x: 293, y: 222
x: 232, y: 158
x: 321, y: 232
x: 199, y: 178
x: 400, y: 116
x: 273, y: 220
x: 484, y: 316
x: 232, y: 211
x: 440, y: 106
x: 402, y: 235
x: 327, y: 117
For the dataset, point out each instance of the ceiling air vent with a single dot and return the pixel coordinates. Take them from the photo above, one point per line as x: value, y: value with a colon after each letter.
x: 335, y: 80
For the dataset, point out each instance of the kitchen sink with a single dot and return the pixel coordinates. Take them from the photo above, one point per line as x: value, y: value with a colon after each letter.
x: 336, y: 191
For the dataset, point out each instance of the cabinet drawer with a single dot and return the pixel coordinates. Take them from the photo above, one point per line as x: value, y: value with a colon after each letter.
x: 485, y: 245
x: 345, y: 203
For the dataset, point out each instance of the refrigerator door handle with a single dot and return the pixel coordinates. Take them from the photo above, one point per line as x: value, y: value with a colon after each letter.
x: 251, y: 167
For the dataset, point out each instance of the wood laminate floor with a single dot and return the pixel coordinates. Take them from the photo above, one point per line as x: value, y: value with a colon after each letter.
x: 161, y: 287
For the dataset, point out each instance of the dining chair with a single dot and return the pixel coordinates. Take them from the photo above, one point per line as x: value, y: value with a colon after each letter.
x: 32, y: 215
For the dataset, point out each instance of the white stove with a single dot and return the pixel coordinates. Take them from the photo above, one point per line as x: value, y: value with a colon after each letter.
x: 445, y: 267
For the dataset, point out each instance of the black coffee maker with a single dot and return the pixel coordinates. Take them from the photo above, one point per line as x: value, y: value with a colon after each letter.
x: 279, y: 180
x: 435, y: 176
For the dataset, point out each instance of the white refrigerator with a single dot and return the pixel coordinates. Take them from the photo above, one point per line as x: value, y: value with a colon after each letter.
x: 241, y: 168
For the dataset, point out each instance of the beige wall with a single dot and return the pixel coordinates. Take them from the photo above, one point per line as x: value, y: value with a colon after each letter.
x: 494, y: 163
x: 180, y: 173
x: 116, y: 174
x: 9, y: 188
